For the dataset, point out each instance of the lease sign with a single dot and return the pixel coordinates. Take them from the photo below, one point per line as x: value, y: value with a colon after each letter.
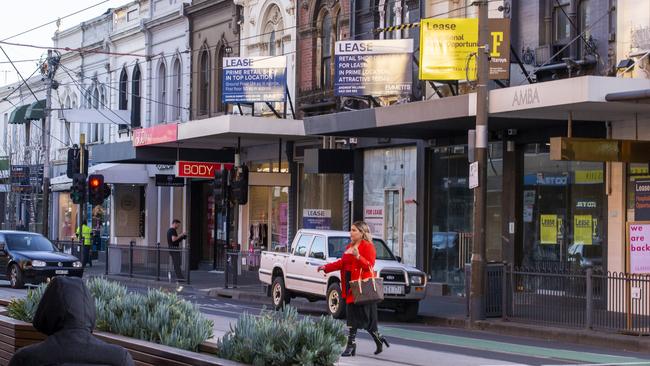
x: 197, y: 169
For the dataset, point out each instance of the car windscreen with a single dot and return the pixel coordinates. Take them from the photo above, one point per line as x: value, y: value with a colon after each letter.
x: 28, y: 242
x: 336, y: 247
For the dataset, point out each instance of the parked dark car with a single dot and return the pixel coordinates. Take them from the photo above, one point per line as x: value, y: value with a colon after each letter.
x: 31, y: 258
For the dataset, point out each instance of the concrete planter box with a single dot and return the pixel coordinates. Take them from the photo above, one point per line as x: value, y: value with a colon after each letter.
x: 15, y: 334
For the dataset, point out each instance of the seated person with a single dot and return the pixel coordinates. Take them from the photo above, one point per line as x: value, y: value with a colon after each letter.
x: 66, y: 314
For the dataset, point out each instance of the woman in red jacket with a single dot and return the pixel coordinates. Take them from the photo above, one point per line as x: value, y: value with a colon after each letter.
x: 358, y: 262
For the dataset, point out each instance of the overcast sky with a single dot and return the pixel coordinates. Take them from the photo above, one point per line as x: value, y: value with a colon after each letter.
x: 22, y: 15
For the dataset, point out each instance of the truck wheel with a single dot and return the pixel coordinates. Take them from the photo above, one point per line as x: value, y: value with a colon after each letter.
x: 335, y: 302
x: 279, y: 294
x: 408, y: 312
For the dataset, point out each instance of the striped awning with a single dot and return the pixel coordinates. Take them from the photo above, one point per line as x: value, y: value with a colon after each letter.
x: 18, y: 114
x: 36, y: 110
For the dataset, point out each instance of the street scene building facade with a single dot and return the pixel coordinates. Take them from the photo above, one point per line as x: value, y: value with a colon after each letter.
x: 150, y: 85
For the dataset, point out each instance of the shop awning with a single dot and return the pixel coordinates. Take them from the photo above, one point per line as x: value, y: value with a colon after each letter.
x: 36, y: 111
x: 537, y: 105
x: 113, y: 174
x: 18, y: 115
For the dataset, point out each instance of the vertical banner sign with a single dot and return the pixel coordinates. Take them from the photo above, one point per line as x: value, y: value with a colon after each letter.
x: 254, y: 79
x: 374, y: 217
x: 639, y: 247
x: 445, y: 48
x: 373, y: 67
x: 548, y: 229
x: 642, y: 200
x: 315, y: 218
x: 499, y: 48
x: 583, y: 229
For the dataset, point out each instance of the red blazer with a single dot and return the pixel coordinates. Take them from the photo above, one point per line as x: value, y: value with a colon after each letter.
x: 364, y: 267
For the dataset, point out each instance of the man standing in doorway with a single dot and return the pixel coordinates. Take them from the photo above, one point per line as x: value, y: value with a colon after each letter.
x: 87, y: 242
x: 173, y: 241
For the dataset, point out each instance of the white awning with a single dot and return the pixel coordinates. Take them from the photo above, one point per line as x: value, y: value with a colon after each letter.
x: 113, y: 174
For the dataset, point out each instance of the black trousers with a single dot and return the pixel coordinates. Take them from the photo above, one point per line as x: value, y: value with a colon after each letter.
x: 86, y: 255
x: 176, y: 261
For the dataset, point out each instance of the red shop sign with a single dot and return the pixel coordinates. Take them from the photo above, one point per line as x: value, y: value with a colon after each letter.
x: 155, y: 135
x: 197, y: 169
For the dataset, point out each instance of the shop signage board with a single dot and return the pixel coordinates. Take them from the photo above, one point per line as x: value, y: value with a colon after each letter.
x: 548, y: 229
x: 642, y: 200
x: 169, y: 180
x: 373, y: 67
x: 448, y: 48
x: 198, y: 169
x: 155, y: 135
x: 583, y: 229
x: 316, y: 218
x: 254, y: 79
x: 638, y: 247
x: 374, y: 217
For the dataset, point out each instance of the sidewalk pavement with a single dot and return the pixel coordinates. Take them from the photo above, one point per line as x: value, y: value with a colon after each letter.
x: 446, y: 311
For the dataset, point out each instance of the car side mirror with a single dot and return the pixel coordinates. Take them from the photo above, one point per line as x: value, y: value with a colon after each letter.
x: 3, y: 250
x: 319, y: 256
x: 399, y: 259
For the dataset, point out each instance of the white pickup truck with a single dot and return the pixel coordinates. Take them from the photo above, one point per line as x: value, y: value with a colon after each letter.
x: 294, y: 274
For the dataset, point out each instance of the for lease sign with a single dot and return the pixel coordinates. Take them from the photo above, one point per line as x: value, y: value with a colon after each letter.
x: 639, y: 247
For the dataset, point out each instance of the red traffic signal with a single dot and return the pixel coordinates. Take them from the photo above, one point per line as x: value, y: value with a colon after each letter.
x: 96, y: 189
x: 94, y: 182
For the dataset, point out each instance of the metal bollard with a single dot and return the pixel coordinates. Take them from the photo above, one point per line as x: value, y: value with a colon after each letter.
x: 158, y: 261
x: 226, y: 271
x: 131, y: 245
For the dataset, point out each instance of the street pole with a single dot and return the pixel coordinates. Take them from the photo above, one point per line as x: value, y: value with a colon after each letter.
x: 51, y: 69
x: 46, y: 150
x: 82, y: 204
x: 478, y: 276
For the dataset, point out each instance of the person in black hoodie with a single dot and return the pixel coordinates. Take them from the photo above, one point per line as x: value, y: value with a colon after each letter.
x: 66, y: 314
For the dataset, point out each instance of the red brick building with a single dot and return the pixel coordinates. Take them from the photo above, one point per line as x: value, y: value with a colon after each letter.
x: 320, y: 24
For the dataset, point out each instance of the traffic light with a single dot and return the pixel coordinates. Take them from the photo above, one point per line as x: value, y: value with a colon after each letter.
x: 78, y: 189
x: 74, y: 159
x: 96, y: 189
x: 221, y: 186
x: 240, y: 186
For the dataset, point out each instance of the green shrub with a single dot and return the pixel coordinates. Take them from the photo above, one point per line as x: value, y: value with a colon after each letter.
x: 24, y: 309
x: 156, y: 316
x: 283, y: 338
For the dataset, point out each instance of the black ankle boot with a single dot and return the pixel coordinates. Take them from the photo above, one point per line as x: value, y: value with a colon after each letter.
x: 380, y: 341
x: 351, y: 349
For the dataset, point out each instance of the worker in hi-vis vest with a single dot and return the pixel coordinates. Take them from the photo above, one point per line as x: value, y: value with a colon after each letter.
x: 87, y: 242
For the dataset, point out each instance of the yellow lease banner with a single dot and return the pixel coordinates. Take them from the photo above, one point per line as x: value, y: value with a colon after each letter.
x: 589, y: 176
x: 548, y: 229
x: 583, y: 229
x: 445, y: 49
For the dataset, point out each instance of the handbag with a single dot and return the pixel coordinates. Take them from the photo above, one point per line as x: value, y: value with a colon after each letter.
x: 367, y: 291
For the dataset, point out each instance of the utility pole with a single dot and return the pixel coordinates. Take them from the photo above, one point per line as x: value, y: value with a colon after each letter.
x: 82, y: 204
x: 478, y: 278
x: 52, y: 64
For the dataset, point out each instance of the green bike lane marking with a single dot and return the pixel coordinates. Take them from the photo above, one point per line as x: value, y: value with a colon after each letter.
x: 510, y: 348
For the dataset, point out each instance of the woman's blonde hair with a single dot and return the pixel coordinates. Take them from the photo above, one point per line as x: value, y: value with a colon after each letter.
x: 364, y: 229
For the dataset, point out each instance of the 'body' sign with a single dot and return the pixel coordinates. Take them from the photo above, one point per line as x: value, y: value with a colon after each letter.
x: 639, y: 247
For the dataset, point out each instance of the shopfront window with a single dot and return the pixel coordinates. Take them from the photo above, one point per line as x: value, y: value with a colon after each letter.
x: 268, y: 210
x: 320, y: 201
x: 564, y: 212
x: 635, y: 172
x: 389, y: 196
x: 452, y: 213
x: 67, y: 216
